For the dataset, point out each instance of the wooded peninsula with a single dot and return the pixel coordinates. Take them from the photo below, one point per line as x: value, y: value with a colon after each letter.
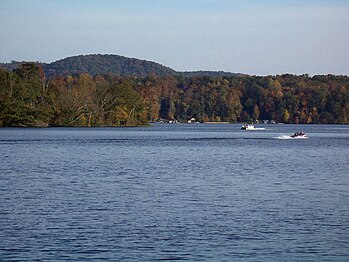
x: 28, y: 98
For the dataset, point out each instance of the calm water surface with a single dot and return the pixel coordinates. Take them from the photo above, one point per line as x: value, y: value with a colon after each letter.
x: 174, y: 192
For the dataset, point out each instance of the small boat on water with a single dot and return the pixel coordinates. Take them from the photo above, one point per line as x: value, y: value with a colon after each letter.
x: 299, y: 134
x: 246, y: 127
x: 251, y: 127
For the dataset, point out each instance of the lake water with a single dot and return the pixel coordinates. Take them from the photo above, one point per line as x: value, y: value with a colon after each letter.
x: 174, y: 192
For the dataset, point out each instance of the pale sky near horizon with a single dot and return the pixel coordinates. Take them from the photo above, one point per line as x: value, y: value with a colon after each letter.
x: 261, y: 37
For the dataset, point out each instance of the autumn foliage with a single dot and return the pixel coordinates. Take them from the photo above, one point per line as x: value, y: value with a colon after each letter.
x: 27, y: 98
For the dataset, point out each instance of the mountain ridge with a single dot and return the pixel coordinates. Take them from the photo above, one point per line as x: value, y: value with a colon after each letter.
x: 99, y: 64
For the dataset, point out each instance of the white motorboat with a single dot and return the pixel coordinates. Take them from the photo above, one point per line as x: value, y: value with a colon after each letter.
x: 246, y: 127
x: 251, y: 127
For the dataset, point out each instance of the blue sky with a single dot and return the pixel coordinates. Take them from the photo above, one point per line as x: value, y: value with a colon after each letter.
x: 259, y: 37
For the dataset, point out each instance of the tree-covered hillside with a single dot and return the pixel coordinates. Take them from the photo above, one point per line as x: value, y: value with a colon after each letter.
x: 28, y: 98
x: 110, y: 64
x: 105, y: 64
x: 98, y: 65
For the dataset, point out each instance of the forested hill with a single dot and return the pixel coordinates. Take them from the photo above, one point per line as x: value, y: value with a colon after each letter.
x: 110, y: 64
x: 105, y: 64
x: 98, y: 65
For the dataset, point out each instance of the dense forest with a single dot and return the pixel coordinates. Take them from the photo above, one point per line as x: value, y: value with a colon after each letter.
x: 29, y: 98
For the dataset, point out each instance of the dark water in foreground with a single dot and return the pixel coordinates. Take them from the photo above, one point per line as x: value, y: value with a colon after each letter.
x: 179, y: 192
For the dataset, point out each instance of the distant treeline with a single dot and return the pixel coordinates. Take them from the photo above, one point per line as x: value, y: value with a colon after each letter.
x: 27, y: 98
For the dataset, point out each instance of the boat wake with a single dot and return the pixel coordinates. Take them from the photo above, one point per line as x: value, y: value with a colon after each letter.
x: 290, y: 137
x: 256, y: 128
